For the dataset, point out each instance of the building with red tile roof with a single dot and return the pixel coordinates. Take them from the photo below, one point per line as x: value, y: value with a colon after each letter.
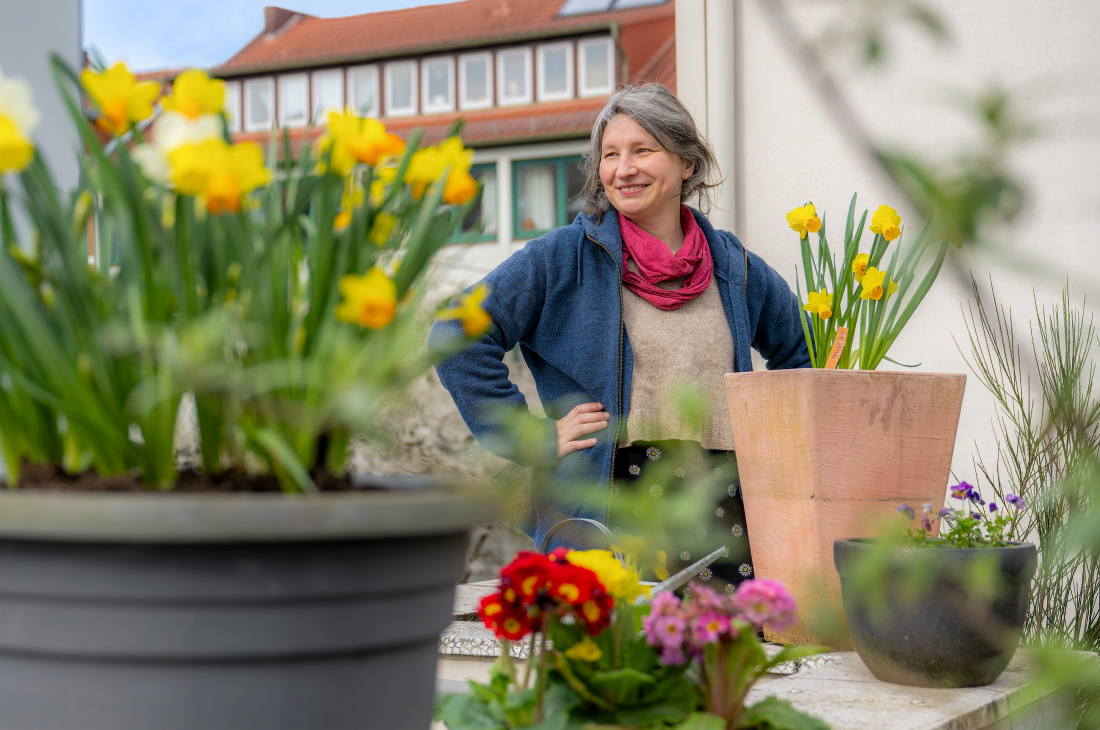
x: 526, y: 77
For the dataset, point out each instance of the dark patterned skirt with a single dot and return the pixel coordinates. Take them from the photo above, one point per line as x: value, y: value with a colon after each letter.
x: 685, y: 500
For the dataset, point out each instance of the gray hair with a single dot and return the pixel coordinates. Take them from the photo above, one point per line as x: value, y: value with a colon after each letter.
x: 659, y: 112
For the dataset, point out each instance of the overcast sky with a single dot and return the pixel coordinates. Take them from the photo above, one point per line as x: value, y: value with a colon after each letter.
x: 150, y: 36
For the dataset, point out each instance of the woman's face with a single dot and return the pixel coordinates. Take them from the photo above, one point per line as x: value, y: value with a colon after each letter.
x: 641, y: 178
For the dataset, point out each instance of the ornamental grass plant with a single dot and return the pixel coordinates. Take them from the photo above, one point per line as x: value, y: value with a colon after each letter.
x: 869, y: 295
x: 282, y: 291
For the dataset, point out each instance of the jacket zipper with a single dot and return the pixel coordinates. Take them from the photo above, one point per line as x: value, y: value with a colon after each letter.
x: 745, y: 302
x: 622, y: 417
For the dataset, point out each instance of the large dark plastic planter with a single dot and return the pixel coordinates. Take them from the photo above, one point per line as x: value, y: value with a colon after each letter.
x: 929, y: 621
x: 244, y: 611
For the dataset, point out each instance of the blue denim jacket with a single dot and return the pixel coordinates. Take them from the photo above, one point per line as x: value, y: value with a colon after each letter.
x: 560, y: 300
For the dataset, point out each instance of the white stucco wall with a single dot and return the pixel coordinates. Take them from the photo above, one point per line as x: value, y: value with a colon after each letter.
x: 29, y: 32
x: 788, y: 150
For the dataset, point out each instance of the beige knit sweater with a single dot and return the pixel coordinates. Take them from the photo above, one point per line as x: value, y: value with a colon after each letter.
x: 690, y: 346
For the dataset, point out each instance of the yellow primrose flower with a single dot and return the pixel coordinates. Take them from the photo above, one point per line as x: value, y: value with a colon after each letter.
x: 475, y: 320
x: 18, y: 117
x: 194, y: 93
x: 219, y: 173
x: 619, y: 580
x: 120, y: 98
x: 820, y: 303
x: 873, y: 282
x: 369, y: 300
x: 886, y: 222
x: 585, y: 650
x: 353, y: 139
x: 804, y: 220
x: 859, y: 265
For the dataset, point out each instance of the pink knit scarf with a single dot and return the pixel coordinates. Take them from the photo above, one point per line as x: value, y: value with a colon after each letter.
x: 656, y: 263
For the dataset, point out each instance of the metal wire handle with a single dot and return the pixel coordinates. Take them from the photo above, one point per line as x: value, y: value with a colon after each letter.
x: 594, y: 523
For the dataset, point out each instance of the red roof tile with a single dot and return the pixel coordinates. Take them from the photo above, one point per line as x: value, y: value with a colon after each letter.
x: 310, y: 41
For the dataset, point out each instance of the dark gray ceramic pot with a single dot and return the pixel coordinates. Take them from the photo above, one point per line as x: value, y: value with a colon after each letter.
x: 935, y: 617
x: 235, y: 611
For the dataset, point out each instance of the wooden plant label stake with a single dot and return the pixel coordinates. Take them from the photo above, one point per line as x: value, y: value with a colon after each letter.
x: 838, y: 347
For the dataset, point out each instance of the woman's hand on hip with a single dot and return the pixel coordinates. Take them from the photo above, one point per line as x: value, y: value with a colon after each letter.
x: 582, y: 420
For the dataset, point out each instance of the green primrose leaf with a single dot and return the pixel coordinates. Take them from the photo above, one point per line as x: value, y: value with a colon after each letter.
x: 776, y: 714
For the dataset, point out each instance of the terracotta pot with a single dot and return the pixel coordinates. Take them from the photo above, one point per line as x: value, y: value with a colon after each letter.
x: 830, y: 454
x: 917, y: 616
x: 227, y: 611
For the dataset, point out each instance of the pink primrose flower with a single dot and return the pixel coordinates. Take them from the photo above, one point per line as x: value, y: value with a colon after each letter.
x: 708, y: 627
x: 665, y: 603
x: 705, y: 599
x: 673, y: 655
x: 763, y: 600
x: 669, y: 631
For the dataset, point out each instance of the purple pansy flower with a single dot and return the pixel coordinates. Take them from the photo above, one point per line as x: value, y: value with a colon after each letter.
x: 907, y: 511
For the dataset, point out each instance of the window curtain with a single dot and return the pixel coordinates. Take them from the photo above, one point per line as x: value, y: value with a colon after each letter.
x: 537, y: 199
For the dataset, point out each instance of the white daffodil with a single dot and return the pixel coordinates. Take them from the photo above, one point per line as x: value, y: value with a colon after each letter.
x: 170, y: 131
x: 18, y: 118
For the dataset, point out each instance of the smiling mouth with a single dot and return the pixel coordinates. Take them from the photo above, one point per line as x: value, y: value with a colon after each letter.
x: 627, y: 189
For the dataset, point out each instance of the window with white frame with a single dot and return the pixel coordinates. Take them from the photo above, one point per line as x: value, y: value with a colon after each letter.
x: 555, y: 75
x: 401, y: 89
x: 438, y: 84
x: 514, y: 76
x: 232, y: 105
x: 328, y: 94
x: 475, y: 81
x: 596, y: 65
x: 259, y: 104
x: 293, y: 100
x: 363, y: 90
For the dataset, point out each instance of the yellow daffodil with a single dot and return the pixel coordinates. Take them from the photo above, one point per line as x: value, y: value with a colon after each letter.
x: 460, y: 188
x: 18, y: 117
x: 585, y: 650
x: 886, y: 222
x: 804, y: 220
x: 194, y: 93
x: 429, y: 164
x: 859, y: 266
x: 819, y: 303
x: 455, y: 155
x: 475, y: 320
x: 380, y: 184
x: 381, y: 229
x: 353, y: 139
x: 122, y: 101
x: 873, y: 283
x: 369, y: 300
x: 350, y: 199
x: 621, y: 582
x: 220, y: 174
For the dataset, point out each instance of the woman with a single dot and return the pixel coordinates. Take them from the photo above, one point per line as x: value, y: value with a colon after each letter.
x: 639, y: 293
